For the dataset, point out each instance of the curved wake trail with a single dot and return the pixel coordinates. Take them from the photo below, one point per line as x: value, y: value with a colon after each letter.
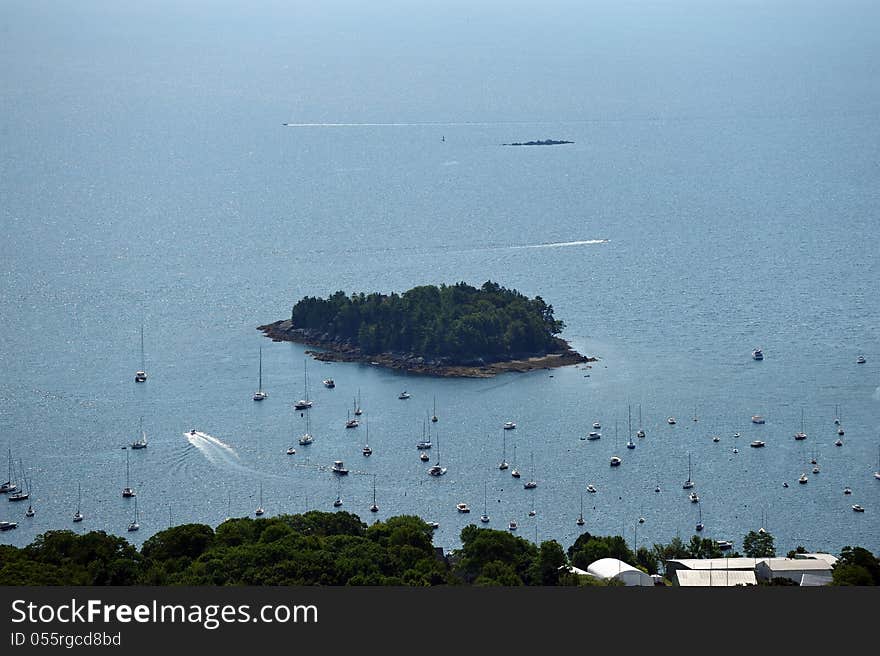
x: 216, y: 451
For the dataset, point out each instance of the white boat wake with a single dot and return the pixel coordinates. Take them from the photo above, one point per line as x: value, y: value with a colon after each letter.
x: 216, y: 451
x: 562, y: 244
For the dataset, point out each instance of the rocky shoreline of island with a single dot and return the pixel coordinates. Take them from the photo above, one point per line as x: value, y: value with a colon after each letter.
x: 337, y: 350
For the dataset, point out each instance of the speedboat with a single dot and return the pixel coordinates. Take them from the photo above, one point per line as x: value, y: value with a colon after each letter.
x: 290, y: 450
x: 140, y: 376
x: 757, y: 444
x: 328, y: 382
x: 597, y: 425
x: 591, y: 488
x: 403, y: 395
x: 509, y: 425
x: 758, y: 419
x: 615, y: 461
x: 338, y: 467
x: 803, y: 478
x: 670, y: 420
x: 462, y: 507
x: 861, y: 359
x: 858, y: 508
x: 758, y: 354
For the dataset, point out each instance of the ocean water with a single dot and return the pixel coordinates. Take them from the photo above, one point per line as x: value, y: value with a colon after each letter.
x: 720, y: 194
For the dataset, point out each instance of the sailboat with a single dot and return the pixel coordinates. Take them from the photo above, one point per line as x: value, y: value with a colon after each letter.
x: 307, y: 438
x: 688, y: 484
x: 367, y: 450
x: 531, y: 484
x: 357, y: 405
x: 503, y: 464
x: 801, y: 435
x: 514, y: 472
x: 21, y: 494
x: 141, y: 441
x: 140, y: 375
x: 304, y: 403
x: 78, y: 516
x: 374, y: 507
x: 260, y: 394
x: 699, y: 525
x: 338, y: 500
x: 485, y: 516
x: 426, y: 441
x: 640, y: 432
x: 260, y: 510
x: 434, y: 418
x: 615, y: 460
x: 134, y: 526
x: 580, y: 519
x: 10, y: 485
x: 630, y: 444
x: 877, y: 473
x: 127, y: 491
x: 349, y: 422
x: 436, y: 469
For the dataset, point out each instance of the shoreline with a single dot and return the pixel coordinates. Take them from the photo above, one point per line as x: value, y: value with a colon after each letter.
x: 336, y: 351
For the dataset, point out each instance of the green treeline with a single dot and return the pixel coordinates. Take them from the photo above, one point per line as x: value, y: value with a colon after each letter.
x: 338, y: 549
x: 459, y: 322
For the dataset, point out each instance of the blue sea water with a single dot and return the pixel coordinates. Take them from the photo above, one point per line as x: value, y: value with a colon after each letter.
x: 721, y: 193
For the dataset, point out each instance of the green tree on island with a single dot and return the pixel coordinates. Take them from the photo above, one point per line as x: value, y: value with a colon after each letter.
x: 454, y: 323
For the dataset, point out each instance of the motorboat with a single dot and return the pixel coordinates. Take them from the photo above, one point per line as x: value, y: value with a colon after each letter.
x: 337, y: 502
x: 423, y: 457
x: 433, y: 525
x: 509, y: 425
x: 594, y: 435
x: 857, y: 508
x: 757, y: 444
x: 290, y: 451
x: 530, y: 485
x: 861, y: 359
x: 784, y: 484
x: 816, y: 469
x: 597, y: 425
x: 693, y: 497
x: 8, y: 526
x: 758, y: 419
x: 670, y: 420
x: 715, y: 438
x: 338, y: 467
x: 724, y: 545
x: 462, y: 507
x: 591, y: 488
x: 847, y: 490
x: 329, y: 383
x: 404, y: 395
x: 802, y: 479
x: 511, y: 525
x: 838, y: 442
x: 758, y: 354
x: 615, y: 461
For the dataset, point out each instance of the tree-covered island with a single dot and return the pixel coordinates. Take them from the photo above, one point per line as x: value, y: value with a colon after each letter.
x: 450, y: 330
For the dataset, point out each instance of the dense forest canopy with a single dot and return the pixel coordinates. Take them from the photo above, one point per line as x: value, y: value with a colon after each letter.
x: 458, y: 322
x: 338, y: 549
